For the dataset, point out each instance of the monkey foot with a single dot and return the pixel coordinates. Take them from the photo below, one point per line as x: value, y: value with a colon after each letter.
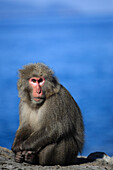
x: 31, y: 157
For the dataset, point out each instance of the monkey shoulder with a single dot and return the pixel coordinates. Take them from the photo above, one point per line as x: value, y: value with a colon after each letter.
x: 70, y: 105
x: 62, y: 103
x: 66, y: 96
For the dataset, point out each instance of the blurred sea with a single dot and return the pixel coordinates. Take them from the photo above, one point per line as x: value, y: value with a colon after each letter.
x: 80, y: 51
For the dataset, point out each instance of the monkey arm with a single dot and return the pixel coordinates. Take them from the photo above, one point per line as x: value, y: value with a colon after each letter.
x: 21, y: 135
x: 40, y: 139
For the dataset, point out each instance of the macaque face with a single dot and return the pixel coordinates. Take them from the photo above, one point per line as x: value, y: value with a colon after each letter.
x: 36, y: 84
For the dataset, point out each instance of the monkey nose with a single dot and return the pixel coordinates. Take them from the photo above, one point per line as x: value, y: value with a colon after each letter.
x: 38, y: 91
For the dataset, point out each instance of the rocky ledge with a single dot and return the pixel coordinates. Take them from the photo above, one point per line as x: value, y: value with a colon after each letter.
x: 95, y: 161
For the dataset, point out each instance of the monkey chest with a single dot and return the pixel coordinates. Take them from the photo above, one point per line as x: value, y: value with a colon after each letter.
x: 33, y: 118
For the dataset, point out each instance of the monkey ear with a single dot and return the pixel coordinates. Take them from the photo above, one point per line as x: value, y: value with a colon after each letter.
x: 57, y: 88
x: 21, y: 88
x: 56, y: 84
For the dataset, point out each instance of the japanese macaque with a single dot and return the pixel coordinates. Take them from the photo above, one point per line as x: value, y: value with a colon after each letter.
x: 51, y: 130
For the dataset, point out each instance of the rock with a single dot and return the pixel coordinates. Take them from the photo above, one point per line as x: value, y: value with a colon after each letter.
x: 95, y: 161
x: 99, y: 155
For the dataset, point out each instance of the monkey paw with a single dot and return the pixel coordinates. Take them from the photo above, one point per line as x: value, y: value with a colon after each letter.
x: 19, y: 157
x: 30, y: 157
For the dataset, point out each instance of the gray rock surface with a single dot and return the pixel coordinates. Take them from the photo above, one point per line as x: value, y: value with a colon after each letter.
x: 95, y: 161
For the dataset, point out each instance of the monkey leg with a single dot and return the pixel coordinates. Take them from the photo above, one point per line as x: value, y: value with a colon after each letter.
x: 62, y: 153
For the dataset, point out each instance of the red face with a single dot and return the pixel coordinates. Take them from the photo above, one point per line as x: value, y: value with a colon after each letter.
x: 36, y: 84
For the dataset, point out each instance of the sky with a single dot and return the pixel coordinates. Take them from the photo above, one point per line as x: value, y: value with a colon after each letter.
x: 35, y: 7
x: 90, y: 48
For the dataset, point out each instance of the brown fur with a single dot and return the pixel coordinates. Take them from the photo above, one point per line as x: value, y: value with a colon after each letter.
x: 50, y: 132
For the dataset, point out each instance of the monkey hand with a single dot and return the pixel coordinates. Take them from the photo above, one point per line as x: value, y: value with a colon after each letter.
x: 19, y: 157
x: 25, y: 146
x: 31, y: 157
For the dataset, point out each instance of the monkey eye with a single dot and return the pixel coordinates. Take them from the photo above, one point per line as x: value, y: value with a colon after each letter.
x: 41, y: 81
x: 33, y: 80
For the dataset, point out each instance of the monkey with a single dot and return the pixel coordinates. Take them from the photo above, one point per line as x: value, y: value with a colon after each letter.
x: 51, y: 128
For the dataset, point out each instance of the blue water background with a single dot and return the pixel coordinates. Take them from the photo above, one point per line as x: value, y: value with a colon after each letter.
x: 80, y: 51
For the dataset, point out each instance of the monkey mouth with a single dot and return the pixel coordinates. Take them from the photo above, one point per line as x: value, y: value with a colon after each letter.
x: 38, y: 98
